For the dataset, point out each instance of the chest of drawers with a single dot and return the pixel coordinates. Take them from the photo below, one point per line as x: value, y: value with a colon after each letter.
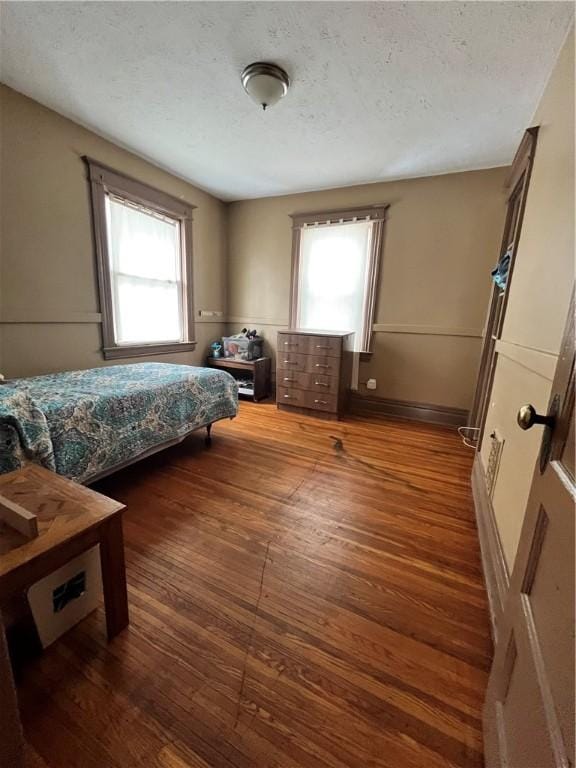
x: 313, y: 370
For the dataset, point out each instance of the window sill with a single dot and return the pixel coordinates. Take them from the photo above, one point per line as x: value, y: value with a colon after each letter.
x: 145, y: 350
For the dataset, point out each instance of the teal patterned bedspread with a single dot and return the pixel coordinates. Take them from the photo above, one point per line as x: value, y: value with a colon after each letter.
x: 84, y: 423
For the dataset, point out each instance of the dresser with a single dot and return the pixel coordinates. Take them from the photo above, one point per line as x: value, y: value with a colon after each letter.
x: 313, y: 371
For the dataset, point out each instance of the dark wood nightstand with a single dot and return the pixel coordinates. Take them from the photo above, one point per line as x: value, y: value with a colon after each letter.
x: 258, y: 371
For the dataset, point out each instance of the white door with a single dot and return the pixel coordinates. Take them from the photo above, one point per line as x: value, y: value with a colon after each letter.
x: 529, y: 709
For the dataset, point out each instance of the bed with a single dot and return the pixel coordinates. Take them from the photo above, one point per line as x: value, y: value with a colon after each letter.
x: 86, y: 424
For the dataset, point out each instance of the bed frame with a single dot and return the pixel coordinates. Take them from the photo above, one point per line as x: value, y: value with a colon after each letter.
x: 153, y: 450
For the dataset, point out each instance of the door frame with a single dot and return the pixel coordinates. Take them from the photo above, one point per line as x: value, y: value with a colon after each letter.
x: 517, y: 183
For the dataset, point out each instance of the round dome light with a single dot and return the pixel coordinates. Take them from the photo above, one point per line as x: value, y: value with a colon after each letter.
x: 265, y: 83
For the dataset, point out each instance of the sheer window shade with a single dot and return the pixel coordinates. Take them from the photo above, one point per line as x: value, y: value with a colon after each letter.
x: 335, y: 270
x: 333, y: 276
x: 145, y: 272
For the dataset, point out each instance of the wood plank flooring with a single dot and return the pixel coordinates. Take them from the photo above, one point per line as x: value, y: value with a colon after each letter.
x: 304, y: 594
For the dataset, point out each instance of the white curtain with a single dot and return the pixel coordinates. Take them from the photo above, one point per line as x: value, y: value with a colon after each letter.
x: 145, y: 273
x: 333, y: 274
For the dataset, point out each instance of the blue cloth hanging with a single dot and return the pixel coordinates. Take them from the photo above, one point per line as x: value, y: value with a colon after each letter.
x: 500, y: 272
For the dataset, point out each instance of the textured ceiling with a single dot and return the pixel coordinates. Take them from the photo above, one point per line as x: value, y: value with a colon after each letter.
x: 380, y: 90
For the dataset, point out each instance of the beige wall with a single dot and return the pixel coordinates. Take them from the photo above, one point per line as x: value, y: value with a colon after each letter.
x: 441, y: 241
x: 538, y: 301
x: 48, y: 301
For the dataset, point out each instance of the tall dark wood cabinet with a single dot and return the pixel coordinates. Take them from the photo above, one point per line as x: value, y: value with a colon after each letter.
x: 313, y: 371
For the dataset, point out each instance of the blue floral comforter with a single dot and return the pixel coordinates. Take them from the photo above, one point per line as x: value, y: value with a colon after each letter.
x: 84, y: 423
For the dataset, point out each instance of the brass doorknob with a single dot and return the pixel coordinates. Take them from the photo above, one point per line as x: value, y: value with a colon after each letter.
x: 527, y: 417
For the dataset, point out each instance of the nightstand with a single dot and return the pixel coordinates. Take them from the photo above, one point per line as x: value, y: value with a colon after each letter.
x: 256, y: 372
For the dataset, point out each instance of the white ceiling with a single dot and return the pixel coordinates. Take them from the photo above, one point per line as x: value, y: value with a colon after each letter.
x: 380, y: 90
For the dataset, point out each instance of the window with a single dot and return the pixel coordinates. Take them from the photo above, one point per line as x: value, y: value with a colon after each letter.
x: 335, y: 271
x: 143, y: 249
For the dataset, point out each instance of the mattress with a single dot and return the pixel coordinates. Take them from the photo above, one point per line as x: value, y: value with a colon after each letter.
x: 83, y: 424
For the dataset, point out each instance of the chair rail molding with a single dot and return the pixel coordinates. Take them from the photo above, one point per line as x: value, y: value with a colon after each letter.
x: 537, y: 361
x: 48, y: 316
x: 427, y: 330
x: 256, y: 321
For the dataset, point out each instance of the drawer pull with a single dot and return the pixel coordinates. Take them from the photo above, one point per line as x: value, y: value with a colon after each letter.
x: 290, y: 343
x: 322, y: 346
x: 321, y: 402
x: 289, y: 397
x: 317, y: 383
x: 319, y: 365
x: 287, y: 378
x: 290, y: 362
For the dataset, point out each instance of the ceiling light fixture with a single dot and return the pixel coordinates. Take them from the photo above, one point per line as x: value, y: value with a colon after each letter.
x: 265, y: 83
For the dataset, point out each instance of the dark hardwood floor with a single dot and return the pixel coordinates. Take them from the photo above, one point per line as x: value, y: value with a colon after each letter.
x: 303, y: 594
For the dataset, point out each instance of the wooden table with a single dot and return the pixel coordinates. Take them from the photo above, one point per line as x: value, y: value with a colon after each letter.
x: 71, y: 520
